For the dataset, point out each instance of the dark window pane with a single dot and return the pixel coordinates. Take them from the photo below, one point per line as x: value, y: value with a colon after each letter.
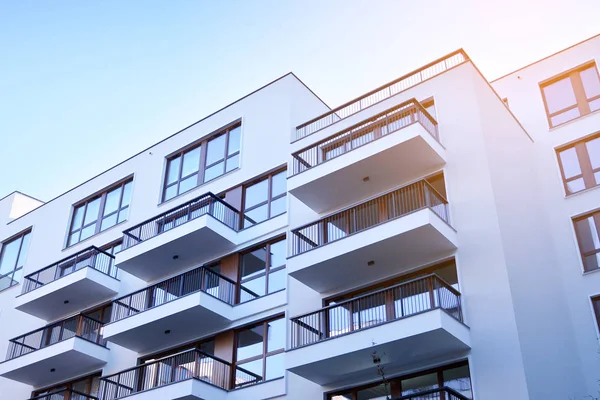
x: 215, y: 150
x: 559, y: 95
x: 234, y: 140
x: 173, y: 170
x: 591, y: 83
x: 570, y: 162
x: 591, y: 262
x: 275, y: 367
x: 254, y: 263
x: 458, y: 379
x: 191, y: 162
x: 250, y: 342
x: 256, y: 194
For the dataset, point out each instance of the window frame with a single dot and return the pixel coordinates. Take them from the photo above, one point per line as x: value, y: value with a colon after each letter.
x: 202, y: 160
x: 264, y: 354
x: 581, y: 100
x: 585, y: 163
x: 102, y: 195
x: 68, y: 385
x: 15, y: 268
x: 268, y: 270
x: 268, y: 202
x: 583, y: 254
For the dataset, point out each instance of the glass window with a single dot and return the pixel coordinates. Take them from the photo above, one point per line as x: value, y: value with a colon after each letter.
x: 459, y: 379
x: 263, y: 270
x: 265, y: 199
x: 100, y: 212
x: 580, y: 165
x: 206, y: 161
x: 586, y: 228
x: 12, y: 257
x: 572, y: 94
x: 259, y: 354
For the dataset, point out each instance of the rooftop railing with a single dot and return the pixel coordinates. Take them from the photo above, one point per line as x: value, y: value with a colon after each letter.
x: 65, y: 394
x: 393, y: 303
x: 376, y: 127
x: 190, y: 364
x: 77, y: 326
x: 196, y: 280
x: 444, y: 393
x: 381, y: 93
x: 203, y: 205
x: 91, y: 257
x: 397, y: 203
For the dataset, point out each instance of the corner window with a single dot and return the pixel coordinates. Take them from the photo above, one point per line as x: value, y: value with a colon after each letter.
x: 587, y: 228
x: 204, y: 162
x: 265, y: 198
x: 259, y: 352
x: 12, y: 257
x: 580, y: 165
x: 263, y: 269
x: 100, y: 212
x: 596, y: 305
x: 572, y: 94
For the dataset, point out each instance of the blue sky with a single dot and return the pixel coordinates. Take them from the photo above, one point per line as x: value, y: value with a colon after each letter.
x: 86, y: 84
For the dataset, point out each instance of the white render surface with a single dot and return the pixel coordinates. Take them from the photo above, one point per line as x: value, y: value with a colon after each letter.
x: 529, y: 329
x: 81, y: 289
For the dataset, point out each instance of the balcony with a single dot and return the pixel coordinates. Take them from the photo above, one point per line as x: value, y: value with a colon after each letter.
x: 191, y: 374
x: 412, y: 323
x: 380, y: 94
x: 394, y: 146
x: 56, y: 352
x: 444, y: 393
x: 69, y: 285
x: 399, y: 230
x: 65, y: 394
x: 186, y: 306
x: 186, y: 235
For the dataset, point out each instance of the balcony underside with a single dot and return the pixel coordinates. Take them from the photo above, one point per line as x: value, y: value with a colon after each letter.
x: 191, y: 243
x: 395, y: 246
x: 399, y: 157
x: 409, y: 343
x: 72, y: 357
x: 186, y: 318
x: 80, y: 290
x: 190, y: 389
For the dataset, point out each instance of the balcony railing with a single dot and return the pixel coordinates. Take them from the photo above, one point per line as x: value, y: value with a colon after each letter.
x: 205, y: 204
x: 80, y: 325
x: 190, y: 364
x: 381, y: 93
x: 397, y: 203
x: 91, y: 257
x: 199, y: 279
x: 385, y: 305
x: 65, y: 394
x: 444, y: 393
x: 365, y: 132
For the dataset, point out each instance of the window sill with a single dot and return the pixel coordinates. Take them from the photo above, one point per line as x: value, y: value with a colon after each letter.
x: 593, y: 271
x: 161, y: 203
x: 569, y: 196
x: 553, y: 128
x: 10, y: 287
x: 93, y: 236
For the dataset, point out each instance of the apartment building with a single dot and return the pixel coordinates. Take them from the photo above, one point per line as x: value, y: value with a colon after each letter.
x: 435, y: 238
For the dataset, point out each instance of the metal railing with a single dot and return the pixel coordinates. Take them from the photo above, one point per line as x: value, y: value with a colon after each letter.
x: 381, y: 93
x: 79, y: 325
x: 385, y: 305
x: 199, y: 279
x: 190, y: 364
x: 205, y: 204
x: 376, y: 127
x: 91, y: 257
x: 65, y: 394
x: 394, y: 204
x: 443, y: 393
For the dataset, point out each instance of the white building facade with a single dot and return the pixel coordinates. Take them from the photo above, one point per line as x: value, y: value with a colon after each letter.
x: 435, y: 238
